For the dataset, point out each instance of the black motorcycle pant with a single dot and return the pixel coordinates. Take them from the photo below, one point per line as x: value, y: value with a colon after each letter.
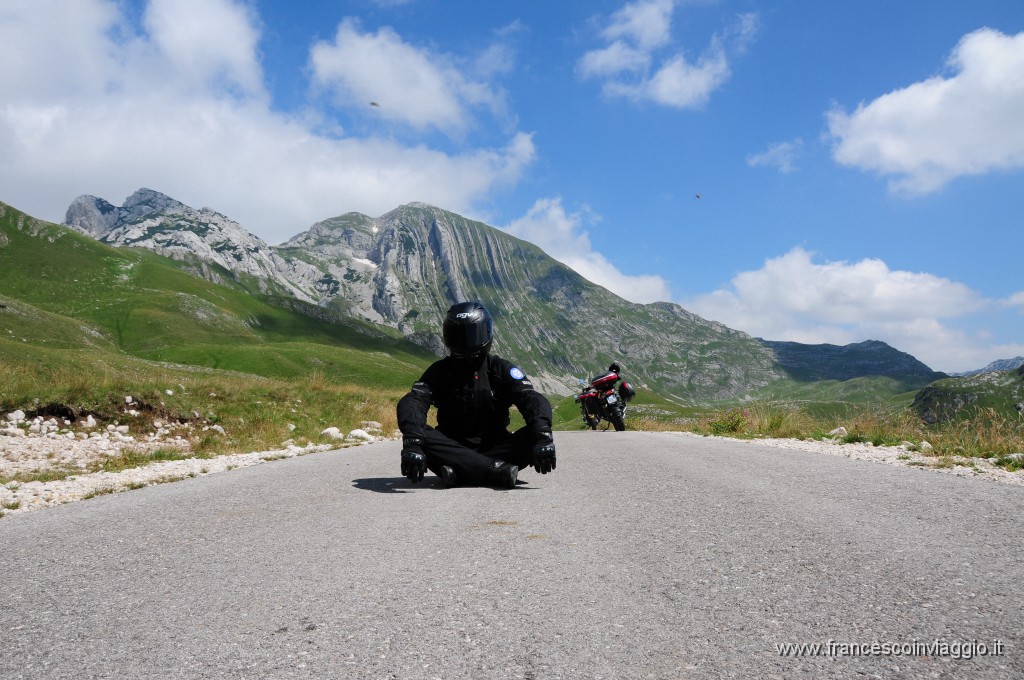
x: 472, y: 466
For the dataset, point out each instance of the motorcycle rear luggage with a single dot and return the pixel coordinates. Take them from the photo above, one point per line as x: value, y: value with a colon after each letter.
x: 605, y: 380
x: 626, y: 391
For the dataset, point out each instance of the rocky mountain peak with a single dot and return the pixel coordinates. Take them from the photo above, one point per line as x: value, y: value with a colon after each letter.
x: 91, y: 215
x: 98, y: 217
x: 210, y: 242
x: 146, y: 201
x: 351, y: 230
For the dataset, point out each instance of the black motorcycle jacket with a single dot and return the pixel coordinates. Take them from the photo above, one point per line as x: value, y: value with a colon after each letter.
x: 473, y: 401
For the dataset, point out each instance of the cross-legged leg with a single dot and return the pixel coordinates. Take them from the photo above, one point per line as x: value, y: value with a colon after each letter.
x: 471, y: 467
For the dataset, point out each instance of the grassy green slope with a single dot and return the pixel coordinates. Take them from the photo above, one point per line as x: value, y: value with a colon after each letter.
x: 66, y: 290
x: 863, y: 390
x: 955, y: 399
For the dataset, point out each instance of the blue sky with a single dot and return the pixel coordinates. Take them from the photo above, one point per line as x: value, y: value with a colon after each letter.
x: 859, y: 165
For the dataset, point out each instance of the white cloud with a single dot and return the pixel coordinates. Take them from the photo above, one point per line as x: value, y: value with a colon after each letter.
x: 560, y: 234
x: 638, y: 34
x: 410, y: 84
x: 612, y: 60
x: 781, y: 156
x: 204, y: 43
x: 499, y: 58
x: 647, y: 23
x: 931, y: 132
x: 679, y: 83
x: 75, y: 58
x: 1016, y: 300
x: 178, y: 104
x: 794, y: 298
x: 90, y: 50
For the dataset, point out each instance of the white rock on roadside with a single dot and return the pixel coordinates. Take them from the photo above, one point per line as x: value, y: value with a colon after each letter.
x: 332, y: 432
x: 361, y: 435
x: 16, y: 416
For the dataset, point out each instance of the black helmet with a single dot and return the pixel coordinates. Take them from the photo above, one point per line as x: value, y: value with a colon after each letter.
x: 614, y: 368
x: 468, y: 330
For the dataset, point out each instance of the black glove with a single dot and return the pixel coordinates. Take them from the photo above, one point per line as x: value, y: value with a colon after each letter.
x: 544, y: 453
x: 414, y: 461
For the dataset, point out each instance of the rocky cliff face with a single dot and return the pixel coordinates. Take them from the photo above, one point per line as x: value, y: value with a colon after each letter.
x: 408, y: 266
x: 559, y: 325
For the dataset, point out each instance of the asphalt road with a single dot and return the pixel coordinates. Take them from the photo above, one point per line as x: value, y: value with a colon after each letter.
x: 642, y: 556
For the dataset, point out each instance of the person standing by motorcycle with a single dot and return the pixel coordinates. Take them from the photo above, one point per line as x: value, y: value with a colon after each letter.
x: 599, y: 399
x: 473, y: 391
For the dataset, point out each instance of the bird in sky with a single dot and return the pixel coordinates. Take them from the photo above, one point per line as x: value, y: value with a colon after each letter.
x: 374, y: 104
x: 698, y: 196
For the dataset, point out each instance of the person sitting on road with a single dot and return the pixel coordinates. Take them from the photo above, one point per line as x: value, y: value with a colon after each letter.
x: 473, y: 391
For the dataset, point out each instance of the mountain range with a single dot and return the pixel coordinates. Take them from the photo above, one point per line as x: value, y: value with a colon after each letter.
x: 405, y: 268
x: 999, y: 365
x: 558, y: 325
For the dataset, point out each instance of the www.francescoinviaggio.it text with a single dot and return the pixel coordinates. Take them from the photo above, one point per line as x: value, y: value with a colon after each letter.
x: 966, y: 649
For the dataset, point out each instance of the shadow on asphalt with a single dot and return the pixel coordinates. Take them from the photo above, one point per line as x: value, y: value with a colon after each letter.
x: 383, y: 484
x: 402, y: 485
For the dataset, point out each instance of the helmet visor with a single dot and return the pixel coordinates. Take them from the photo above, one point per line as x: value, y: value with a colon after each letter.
x: 467, y: 338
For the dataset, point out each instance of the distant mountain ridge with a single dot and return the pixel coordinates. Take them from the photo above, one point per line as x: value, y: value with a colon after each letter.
x: 999, y: 365
x: 834, y: 362
x: 403, y: 269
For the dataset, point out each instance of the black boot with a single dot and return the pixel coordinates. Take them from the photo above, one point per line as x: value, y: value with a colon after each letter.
x: 503, y: 475
x: 447, y: 476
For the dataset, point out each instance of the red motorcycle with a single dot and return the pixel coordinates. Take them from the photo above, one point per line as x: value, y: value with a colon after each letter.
x: 600, y: 400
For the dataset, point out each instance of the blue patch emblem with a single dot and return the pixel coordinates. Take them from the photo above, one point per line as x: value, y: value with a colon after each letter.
x: 516, y: 373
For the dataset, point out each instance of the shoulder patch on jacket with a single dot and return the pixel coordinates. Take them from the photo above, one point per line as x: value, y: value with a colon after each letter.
x: 516, y: 373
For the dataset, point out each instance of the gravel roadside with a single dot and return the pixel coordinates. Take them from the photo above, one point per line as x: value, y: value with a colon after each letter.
x: 47, y: 448
x: 52, y: 446
x: 891, y: 455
